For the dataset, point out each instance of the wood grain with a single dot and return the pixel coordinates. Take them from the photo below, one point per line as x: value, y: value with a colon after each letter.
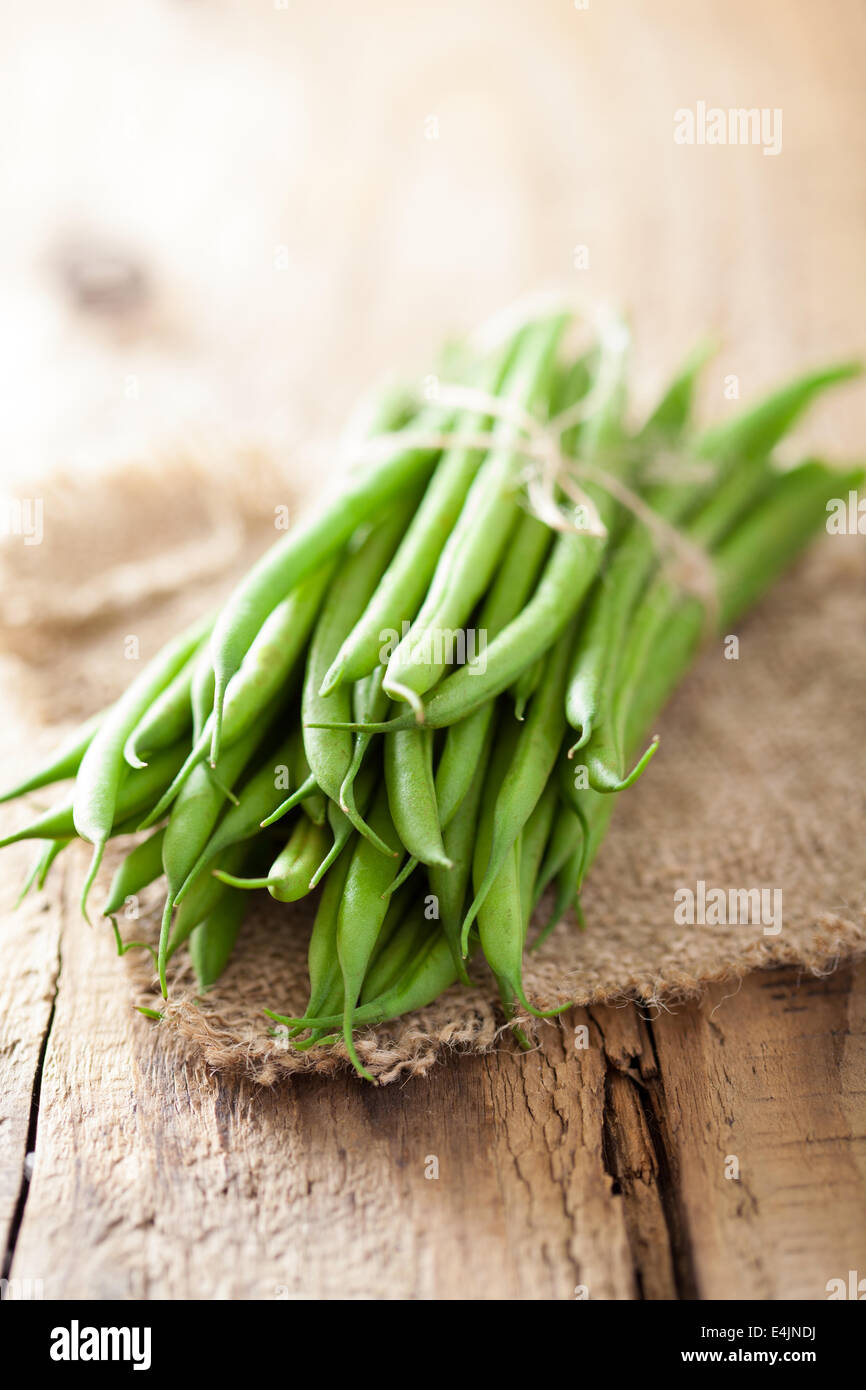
x: 571, y: 1172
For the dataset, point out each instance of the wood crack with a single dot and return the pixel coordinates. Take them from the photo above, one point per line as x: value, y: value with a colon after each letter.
x: 640, y: 1160
x: 32, y: 1127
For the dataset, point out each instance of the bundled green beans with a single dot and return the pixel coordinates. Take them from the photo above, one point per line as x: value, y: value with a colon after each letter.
x: 427, y: 698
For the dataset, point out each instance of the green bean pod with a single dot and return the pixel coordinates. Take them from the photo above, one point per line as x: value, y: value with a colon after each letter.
x: 212, y: 941
x: 361, y: 914
x: 370, y: 703
x: 266, y: 675
x: 142, y: 866
x: 65, y: 762
x: 527, y: 774
x: 170, y: 715
x: 408, y: 759
x: 288, y: 878
x: 567, y: 838
x: 402, y: 588
x: 259, y: 796
x: 137, y: 792
x: 99, y: 777
x: 205, y: 892
x: 41, y: 867
x: 501, y: 929
x: 329, y: 752
x: 196, y: 811
x: 533, y: 840
x: 427, y: 976
x: 342, y: 827
x: 411, y: 932
x: 474, y: 547
x: 449, y: 885
x: 508, y: 593
x: 298, y: 554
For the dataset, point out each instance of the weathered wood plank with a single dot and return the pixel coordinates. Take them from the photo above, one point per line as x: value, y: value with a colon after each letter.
x: 770, y: 1076
x: 152, y: 1181
x: 28, y: 980
x: 598, y: 1167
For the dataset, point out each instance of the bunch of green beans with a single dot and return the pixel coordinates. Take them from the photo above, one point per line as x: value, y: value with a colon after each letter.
x: 426, y: 698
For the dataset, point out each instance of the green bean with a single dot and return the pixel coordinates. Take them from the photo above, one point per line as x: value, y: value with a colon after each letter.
x: 758, y: 430
x: 341, y: 826
x: 298, y: 554
x: 141, y: 866
x: 370, y: 703
x: 574, y: 385
x: 569, y: 836
x: 39, y: 869
x: 99, y: 777
x: 801, y: 495
x: 566, y: 894
x: 288, y: 878
x: 309, y: 793
x: 309, y: 790
x: 170, y: 715
x: 533, y: 841
x: 399, y: 594
x: 258, y: 798
x: 65, y: 762
x: 593, y: 675
x: 212, y: 941
x: 747, y: 481
x: 137, y: 790
x: 326, y: 980
x: 717, y: 520
x: 568, y: 573
x: 329, y: 752
x: 449, y: 885
x: 206, y: 891
x: 428, y: 975
x: 753, y: 557
x: 525, y: 687
x: 408, y: 759
x: 501, y: 929
x: 474, y: 547
x: 265, y: 675
x: 508, y: 593
x: 559, y: 595
x: 504, y: 745
x: 323, y: 966
x: 526, y: 776
x: 194, y: 815
x: 361, y: 914
x: 201, y: 691
x: 411, y: 931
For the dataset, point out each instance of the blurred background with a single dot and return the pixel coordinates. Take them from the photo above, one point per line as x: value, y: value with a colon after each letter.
x: 224, y: 217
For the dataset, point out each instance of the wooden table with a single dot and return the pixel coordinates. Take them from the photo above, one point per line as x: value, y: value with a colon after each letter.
x: 606, y: 1170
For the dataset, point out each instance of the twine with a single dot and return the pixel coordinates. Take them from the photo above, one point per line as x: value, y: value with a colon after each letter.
x: 550, y: 470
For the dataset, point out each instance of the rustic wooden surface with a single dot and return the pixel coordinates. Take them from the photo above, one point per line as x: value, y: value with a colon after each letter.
x: 599, y: 1169
x: 596, y: 1166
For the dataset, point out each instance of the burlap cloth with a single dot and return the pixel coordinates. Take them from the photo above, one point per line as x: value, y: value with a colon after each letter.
x: 760, y: 780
